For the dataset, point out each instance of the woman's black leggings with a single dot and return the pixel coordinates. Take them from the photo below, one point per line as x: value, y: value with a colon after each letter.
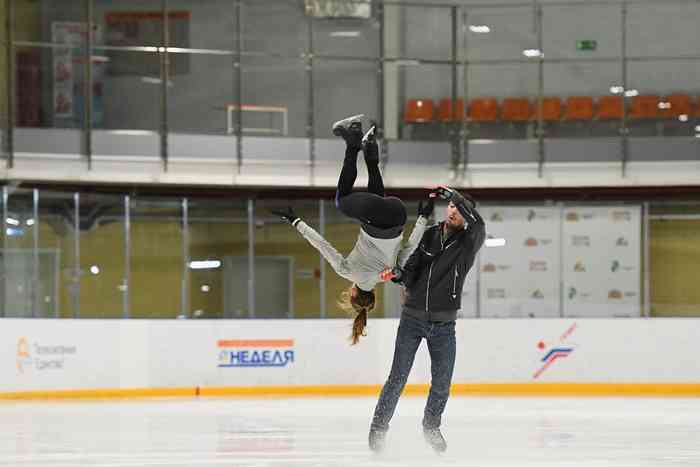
x: 371, y: 208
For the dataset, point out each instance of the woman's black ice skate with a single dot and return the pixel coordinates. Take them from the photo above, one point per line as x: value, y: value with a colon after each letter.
x: 369, y: 146
x: 350, y: 129
x: 370, y: 136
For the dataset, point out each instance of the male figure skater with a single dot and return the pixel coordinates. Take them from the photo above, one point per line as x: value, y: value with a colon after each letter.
x: 433, y: 277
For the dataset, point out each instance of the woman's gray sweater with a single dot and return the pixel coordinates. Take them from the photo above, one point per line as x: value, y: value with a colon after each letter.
x: 370, y: 255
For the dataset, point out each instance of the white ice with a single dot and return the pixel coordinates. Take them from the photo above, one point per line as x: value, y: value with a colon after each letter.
x: 333, y: 432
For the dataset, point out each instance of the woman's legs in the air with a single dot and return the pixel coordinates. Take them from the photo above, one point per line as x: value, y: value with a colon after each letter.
x: 370, y: 207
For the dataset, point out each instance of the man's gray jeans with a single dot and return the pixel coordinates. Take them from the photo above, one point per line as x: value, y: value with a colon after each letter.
x: 440, y: 337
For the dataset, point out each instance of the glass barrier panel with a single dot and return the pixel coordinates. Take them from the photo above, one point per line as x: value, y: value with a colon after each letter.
x: 343, y: 88
x: 157, y: 258
x: 59, y: 272
x: 218, y: 240
x: 103, y: 259
x: 22, y: 259
x: 352, y: 30
x: 582, y: 99
x: 200, y: 103
x: 287, y: 266
x: 275, y: 97
x: 274, y: 27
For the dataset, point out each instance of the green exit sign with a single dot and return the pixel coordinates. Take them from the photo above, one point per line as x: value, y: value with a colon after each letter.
x: 586, y: 45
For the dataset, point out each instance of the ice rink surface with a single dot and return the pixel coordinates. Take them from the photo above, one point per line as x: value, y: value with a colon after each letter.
x: 318, y: 432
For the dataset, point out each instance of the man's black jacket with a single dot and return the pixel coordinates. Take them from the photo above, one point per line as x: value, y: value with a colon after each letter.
x: 435, y: 272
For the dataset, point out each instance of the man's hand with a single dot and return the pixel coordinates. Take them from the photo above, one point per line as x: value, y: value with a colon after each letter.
x: 453, y: 196
x: 287, y: 215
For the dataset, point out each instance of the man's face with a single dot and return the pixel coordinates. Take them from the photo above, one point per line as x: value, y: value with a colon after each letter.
x: 453, y: 218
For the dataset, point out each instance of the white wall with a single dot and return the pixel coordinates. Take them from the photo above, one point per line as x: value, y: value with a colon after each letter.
x: 137, y: 354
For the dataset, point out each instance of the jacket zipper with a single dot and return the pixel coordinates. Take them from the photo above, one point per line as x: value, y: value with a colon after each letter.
x: 454, y: 286
x: 430, y: 273
x: 427, y: 292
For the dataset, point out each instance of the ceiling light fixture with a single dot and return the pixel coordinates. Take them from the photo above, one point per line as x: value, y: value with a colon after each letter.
x: 345, y: 34
x: 479, y: 28
x: 205, y: 264
x: 531, y: 53
x: 492, y: 242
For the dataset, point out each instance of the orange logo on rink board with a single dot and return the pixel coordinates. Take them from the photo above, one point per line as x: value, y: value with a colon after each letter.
x: 621, y: 216
x: 572, y: 217
x: 531, y: 242
x: 489, y: 267
x: 615, y: 294
x: 43, y: 357
x: 256, y: 343
x: 22, y: 347
x: 23, y: 357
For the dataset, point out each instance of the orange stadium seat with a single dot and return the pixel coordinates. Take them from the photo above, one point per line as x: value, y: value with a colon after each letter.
x: 675, y: 105
x: 446, y: 113
x: 483, y: 110
x: 551, y: 109
x: 516, y: 109
x: 418, y: 111
x: 644, y: 107
x: 609, y: 108
x: 579, y: 108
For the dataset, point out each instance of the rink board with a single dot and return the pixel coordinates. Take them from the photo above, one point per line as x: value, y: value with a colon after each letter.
x: 135, y: 358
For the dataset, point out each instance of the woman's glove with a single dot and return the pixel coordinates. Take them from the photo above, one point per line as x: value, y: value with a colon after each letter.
x: 391, y: 274
x: 426, y: 210
x: 287, y: 215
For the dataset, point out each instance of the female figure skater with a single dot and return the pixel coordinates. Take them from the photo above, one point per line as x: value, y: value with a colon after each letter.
x: 378, y: 253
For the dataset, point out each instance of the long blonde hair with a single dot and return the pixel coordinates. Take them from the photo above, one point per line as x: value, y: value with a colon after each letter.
x: 362, y: 303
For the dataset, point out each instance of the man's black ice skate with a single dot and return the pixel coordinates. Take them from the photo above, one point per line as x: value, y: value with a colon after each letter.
x: 377, y: 439
x: 435, y: 439
x: 350, y: 129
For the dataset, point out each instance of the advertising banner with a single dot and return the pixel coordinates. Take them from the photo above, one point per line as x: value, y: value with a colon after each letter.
x: 602, y: 261
x: 68, y: 71
x: 519, y: 274
x: 113, y: 354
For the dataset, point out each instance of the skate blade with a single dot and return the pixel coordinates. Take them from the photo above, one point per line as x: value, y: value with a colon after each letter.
x: 370, y: 134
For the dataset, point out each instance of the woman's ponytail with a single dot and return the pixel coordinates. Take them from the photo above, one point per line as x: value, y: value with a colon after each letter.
x: 360, y: 303
x: 358, y: 326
